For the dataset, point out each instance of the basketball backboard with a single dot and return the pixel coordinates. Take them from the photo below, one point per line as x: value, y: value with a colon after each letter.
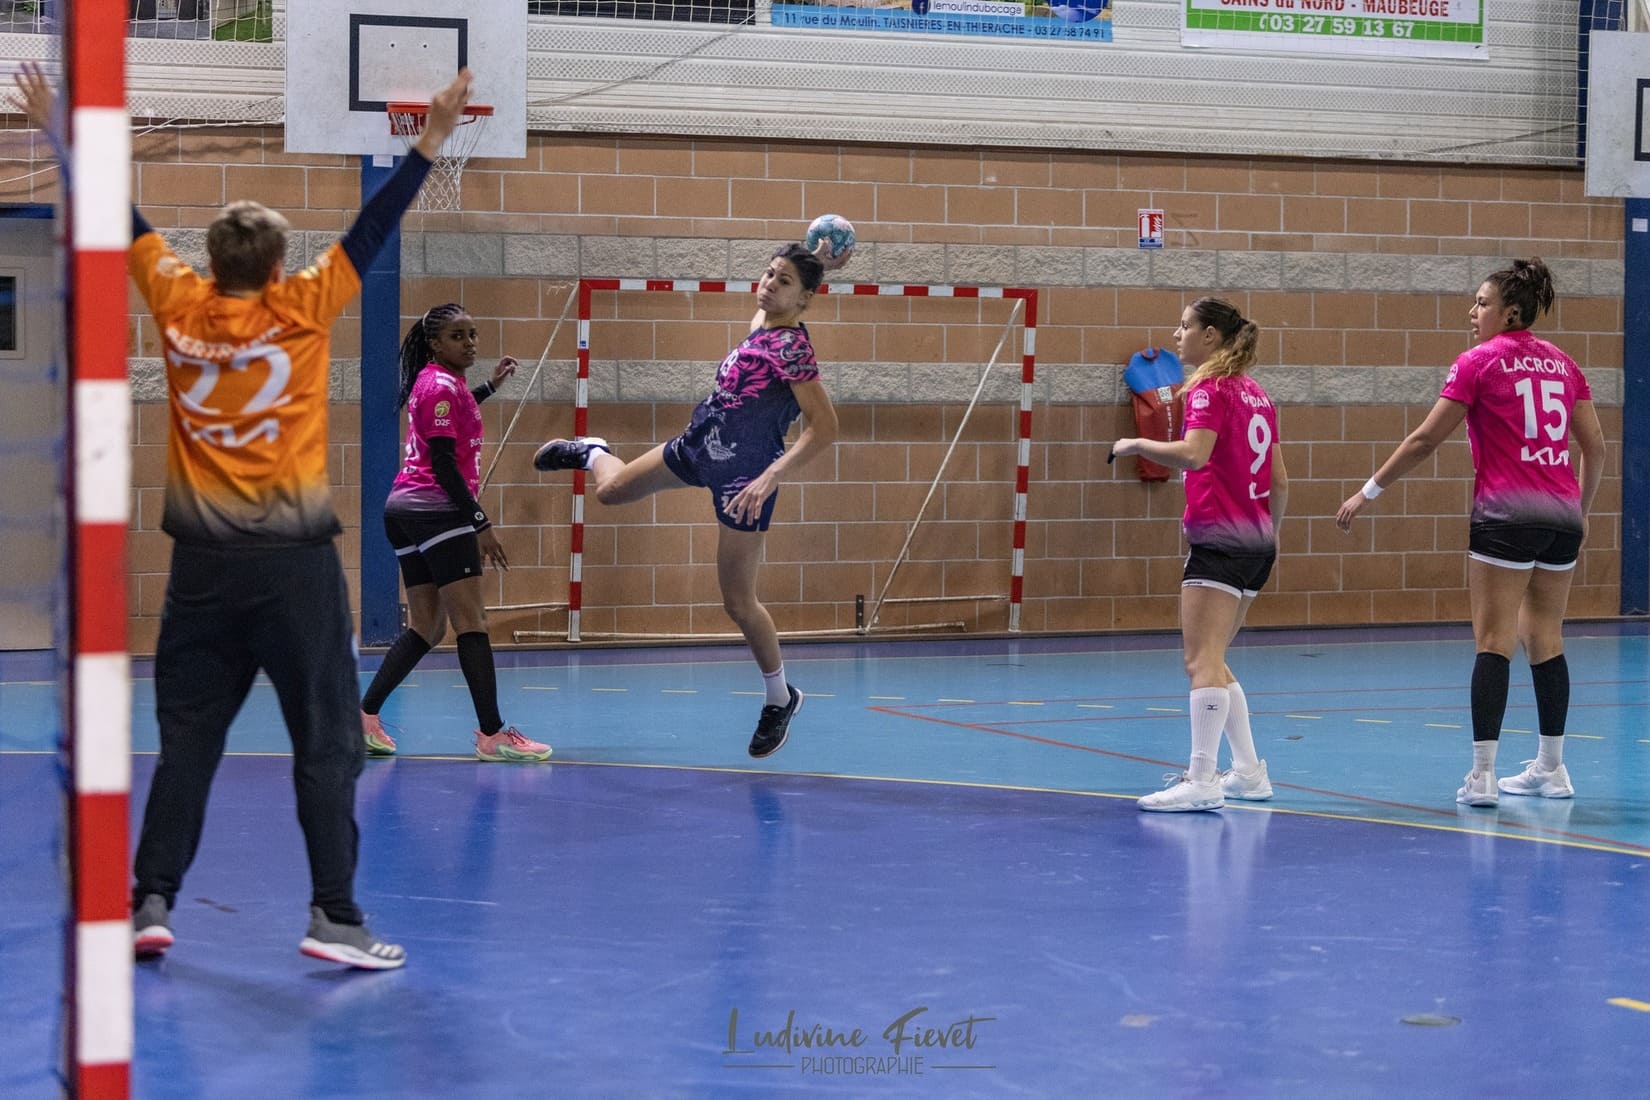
x: 346, y: 59
x: 1618, y: 116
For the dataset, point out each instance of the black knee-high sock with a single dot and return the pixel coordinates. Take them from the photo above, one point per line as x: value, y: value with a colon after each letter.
x: 475, y: 657
x: 1489, y: 696
x: 1552, y: 694
x: 402, y: 658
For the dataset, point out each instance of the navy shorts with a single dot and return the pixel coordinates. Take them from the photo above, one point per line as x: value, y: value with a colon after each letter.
x: 1520, y: 546
x: 724, y: 485
x: 433, y: 547
x: 1240, y: 574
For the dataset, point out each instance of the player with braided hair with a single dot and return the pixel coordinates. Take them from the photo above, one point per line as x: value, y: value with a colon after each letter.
x: 1522, y: 399
x: 440, y: 533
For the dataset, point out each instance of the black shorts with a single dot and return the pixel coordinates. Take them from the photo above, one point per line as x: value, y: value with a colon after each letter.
x: 433, y: 547
x: 1520, y: 546
x: 1240, y: 574
x: 724, y: 485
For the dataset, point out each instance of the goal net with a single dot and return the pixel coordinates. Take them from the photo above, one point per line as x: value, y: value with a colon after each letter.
x: 933, y: 540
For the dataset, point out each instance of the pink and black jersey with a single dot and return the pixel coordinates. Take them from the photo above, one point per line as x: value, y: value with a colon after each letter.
x: 439, y: 405
x: 1227, y: 506
x: 1519, y: 391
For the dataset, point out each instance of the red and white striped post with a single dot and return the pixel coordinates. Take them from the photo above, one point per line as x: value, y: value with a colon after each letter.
x: 1022, y: 479
x: 1022, y: 472
x: 98, y: 696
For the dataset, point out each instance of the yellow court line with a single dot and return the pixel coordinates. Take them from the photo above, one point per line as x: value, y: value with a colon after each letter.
x: 1322, y: 814
x: 1586, y: 736
x: 1374, y: 721
x: 1307, y: 717
x: 887, y: 698
x: 538, y: 687
x: 678, y: 691
x: 1164, y: 710
x: 1628, y: 1002
x: 615, y: 691
x: 1505, y: 730
x: 1444, y: 725
x: 976, y: 785
x: 954, y: 700
x: 1096, y: 706
x: 1024, y: 703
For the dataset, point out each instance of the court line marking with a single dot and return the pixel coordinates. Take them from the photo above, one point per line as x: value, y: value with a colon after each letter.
x: 1581, y: 840
x: 1628, y: 1002
x: 1597, y: 844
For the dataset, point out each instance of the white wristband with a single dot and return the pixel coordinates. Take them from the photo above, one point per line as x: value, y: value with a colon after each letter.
x: 1371, y: 490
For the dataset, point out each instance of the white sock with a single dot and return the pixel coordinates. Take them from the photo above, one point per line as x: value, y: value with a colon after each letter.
x: 1209, y: 707
x: 779, y: 692
x: 1551, y: 753
x: 1483, y: 756
x: 598, y: 446
x: 1244, y: 758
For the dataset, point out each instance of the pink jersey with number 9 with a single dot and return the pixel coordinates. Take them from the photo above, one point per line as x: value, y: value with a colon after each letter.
x: 1227, y: 501
x: 1519, y: 391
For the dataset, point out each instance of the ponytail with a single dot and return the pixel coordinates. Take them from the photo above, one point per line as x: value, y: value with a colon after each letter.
x: 415, y: 346
x: 1239, y: 339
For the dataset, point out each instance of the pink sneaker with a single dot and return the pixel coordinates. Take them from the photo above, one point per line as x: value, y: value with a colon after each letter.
x: 508, y: 746
x: 379, y: 741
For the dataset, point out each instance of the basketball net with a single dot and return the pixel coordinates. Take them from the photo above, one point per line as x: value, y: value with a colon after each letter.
x: 442, y: 187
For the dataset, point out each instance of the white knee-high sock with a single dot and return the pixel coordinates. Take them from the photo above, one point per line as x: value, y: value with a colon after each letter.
x: 1209, y: 708
x: 1244, y: 757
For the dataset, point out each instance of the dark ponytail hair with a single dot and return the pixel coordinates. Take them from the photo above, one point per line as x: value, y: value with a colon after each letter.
x: 415, y: 346
x: 1528, y: 285
x: 1238, y: 337
x: 808, y: 266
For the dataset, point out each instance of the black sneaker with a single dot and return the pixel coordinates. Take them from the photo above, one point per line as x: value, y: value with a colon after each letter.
x: 350, y: 944
x: 568, y: 454
x: 774, y: 724
x: 151, y: 928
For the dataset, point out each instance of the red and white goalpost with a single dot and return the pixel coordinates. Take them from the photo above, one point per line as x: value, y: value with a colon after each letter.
x: 1022, y: 297
x: 97, y: 696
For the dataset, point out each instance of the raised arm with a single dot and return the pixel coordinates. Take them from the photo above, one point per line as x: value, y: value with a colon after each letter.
x: 382, y: 212
x: 35, y: 96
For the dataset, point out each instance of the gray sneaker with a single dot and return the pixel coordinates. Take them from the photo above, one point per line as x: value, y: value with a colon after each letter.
x: 350, y: 944
x: 151, y: 928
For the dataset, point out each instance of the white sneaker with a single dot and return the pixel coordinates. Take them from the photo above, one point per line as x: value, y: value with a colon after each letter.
x: 1255, y: 786
x: 1181, y: 794
x: 1536, y: 780
x: 1478, y: 789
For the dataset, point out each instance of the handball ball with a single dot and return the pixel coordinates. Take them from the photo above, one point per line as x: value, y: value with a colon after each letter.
x: 839, y: 231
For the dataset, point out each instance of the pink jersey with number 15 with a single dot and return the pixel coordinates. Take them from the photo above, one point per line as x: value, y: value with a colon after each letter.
x: 1227, y: 505
x: 1519, y: 391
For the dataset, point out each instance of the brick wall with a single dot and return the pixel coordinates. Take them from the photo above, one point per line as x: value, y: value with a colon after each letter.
x: 1359, y: 274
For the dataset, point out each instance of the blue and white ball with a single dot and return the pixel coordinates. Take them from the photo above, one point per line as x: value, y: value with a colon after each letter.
x: 839, y: 231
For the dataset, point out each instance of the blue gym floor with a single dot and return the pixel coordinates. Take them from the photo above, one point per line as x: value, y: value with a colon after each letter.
x: 946, y: 857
